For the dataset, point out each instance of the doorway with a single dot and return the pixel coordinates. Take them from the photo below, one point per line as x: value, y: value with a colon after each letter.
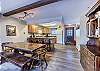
x: 69, y: 35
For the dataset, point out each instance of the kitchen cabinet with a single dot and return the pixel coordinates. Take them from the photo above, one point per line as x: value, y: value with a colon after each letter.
x: 32, y: 29
x: 36, y: 29
x: 29, y: 29
x: 89, y: 60
x: 46, y: 30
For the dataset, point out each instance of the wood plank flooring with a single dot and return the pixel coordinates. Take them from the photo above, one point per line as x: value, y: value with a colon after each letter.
x: 65, y: 58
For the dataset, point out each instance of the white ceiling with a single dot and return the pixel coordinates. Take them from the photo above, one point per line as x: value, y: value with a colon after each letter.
x: 71, y: 10
x: 8, y: 5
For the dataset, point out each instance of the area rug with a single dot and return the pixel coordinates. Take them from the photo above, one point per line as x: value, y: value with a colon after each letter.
x: 9, y: 67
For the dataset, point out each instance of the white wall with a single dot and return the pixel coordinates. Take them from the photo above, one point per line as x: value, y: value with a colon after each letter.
x: 83, y: 30
x: 0, y: 37
x: 0, y: 34
x: 81, y: 34
x: 60, y: 33
x: 0, y: 6
x: 78, y: 39
x: 21, y: 28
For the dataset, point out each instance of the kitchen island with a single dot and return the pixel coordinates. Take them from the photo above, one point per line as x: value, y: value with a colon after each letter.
x: 49, y: 41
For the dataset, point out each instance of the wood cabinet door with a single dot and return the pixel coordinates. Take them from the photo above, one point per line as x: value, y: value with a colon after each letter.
x: 29, y: 29
x: 87, y: 59
x: 33, y: 29
x: 97, y: 64
x: 46, y: 30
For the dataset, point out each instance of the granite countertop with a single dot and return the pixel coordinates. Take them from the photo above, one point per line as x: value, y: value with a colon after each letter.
x: 45, y: 37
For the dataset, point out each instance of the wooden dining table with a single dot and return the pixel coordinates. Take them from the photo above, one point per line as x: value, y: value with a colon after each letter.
x: 24, y: 46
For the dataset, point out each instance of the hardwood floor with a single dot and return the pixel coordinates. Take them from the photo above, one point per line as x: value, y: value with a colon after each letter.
x: 65, y: 58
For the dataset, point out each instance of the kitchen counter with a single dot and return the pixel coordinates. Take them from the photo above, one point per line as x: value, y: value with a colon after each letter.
x: 45, y: 37
x: 52, y: 39
x: 49, y: 41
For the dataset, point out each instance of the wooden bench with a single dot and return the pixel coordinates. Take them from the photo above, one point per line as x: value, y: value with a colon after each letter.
x: 20, y: 60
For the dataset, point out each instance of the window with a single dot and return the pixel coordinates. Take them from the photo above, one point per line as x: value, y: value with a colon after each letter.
x: 69, y: 32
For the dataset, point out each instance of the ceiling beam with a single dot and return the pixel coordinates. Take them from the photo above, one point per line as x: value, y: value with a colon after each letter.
x: 30, y: 6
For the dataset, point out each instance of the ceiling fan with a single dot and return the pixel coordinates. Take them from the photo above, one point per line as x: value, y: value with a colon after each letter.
x: 26, y: 15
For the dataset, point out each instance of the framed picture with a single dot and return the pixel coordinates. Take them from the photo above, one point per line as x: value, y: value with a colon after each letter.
x: 11, y: 30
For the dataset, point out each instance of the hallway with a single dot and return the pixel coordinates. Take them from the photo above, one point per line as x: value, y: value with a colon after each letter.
x: 66, y: 58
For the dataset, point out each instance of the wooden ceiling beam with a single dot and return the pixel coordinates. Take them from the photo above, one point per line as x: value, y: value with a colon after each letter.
x: 31, y: 6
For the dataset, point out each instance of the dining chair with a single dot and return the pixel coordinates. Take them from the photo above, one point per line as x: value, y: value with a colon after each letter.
x: 41, y: 54
x: 6, y: 48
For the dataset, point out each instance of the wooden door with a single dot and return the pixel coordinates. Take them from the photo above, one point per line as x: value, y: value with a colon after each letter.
x: 69, y: 34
